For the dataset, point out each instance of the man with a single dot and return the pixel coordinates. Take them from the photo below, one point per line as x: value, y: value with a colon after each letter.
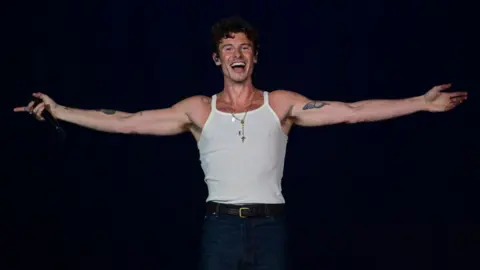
x: 241, y: 134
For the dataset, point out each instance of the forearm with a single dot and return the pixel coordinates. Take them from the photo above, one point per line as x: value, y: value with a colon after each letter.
x: 101, y: 120
x: 376, y: 110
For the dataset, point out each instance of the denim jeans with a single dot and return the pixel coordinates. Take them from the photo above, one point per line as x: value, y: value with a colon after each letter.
x: 235, y: 243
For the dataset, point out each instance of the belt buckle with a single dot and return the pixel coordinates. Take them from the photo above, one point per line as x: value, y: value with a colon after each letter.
x: 240, y: 211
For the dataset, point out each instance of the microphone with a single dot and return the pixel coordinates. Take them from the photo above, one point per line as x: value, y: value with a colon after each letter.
x: 48, y: 116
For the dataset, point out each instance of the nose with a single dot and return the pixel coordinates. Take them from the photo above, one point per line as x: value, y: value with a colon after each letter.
x: 238, y: 53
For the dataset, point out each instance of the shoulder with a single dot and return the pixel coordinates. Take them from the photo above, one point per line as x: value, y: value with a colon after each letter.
x: 194, y: 107
x: 193, y: 102
x: 196, y: 100
x: 286, y: 97
x: 287, y: 102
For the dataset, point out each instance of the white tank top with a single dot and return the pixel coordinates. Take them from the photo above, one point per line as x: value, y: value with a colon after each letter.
x: 246, y: 172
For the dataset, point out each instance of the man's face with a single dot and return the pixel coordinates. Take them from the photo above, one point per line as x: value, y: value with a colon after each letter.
x: 236, y: 57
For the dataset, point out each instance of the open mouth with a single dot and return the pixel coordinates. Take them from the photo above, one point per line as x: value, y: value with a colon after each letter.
x: 238, y: 67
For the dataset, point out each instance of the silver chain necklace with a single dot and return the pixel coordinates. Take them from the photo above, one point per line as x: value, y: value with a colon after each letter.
x: 242, y: 121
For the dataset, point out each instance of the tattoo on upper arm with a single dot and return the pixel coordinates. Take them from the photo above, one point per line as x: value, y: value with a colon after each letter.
x: 314, y: 105
x: 132, y: 115
x: 106, y: 111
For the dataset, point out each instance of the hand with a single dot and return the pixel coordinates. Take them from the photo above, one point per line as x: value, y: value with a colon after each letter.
x: 47, y: 103
x: 437, y: 101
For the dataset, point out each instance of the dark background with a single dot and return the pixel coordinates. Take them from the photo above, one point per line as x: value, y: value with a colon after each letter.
x: 398, y: 194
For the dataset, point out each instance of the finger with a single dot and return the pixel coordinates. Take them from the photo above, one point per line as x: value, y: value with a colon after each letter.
x: 39, y: 118
x: 459, y: 94
x: 458, y: 99
x: 21, y: 109
x: 24, y: 108
x: 454, y: 104
x: 39, y: 114
x: 442, y: 87
x: 39, y: 95
x: 39, y: 109
x: 30, y: 106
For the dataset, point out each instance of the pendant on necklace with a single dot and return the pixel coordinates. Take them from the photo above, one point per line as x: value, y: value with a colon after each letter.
x: 243, y: 139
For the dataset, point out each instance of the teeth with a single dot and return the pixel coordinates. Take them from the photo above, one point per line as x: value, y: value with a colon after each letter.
x: 238, y: 64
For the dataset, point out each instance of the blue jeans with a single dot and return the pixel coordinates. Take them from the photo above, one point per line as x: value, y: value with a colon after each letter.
x: 235, y: 243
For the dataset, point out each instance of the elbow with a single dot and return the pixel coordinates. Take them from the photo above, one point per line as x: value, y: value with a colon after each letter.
x: 122, y: 126
x: 351, y: 121
x: 358, y: 115
x: 354, y: 120
x: 353, y: 117
x: 128, y: 130
x: 125, y: 130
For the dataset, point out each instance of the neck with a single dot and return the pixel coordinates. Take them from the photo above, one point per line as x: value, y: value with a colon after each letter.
x: 238, y: 93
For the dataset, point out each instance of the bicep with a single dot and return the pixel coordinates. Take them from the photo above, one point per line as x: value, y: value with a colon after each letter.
x: 308, y: 112
x: 168, y: 121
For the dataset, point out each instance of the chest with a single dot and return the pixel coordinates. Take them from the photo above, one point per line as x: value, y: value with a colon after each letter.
x: 234, y: 116
x: 257, y: 130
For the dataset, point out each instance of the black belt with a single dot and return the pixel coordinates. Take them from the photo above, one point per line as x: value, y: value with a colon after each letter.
x: 248, y: 210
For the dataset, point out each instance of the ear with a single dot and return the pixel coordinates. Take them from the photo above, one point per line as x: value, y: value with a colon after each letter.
x: 216, y: 60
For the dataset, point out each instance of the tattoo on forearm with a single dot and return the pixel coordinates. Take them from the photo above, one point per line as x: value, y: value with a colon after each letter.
x: 314, y: 105
x: 106, y: 111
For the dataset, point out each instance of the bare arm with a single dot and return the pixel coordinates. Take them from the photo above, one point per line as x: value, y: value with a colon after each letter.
x: 168, y: 121
x: 319, y: 113
x: 306, y: 112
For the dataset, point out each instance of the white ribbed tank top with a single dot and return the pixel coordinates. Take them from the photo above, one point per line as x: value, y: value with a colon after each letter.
x: 248, y: 172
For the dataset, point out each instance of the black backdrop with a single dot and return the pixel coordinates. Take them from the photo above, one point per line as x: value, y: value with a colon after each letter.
x: 398, y: 194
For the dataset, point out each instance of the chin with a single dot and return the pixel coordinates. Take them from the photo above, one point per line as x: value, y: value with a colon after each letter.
x: 240, y: 80
x: 237, y: 78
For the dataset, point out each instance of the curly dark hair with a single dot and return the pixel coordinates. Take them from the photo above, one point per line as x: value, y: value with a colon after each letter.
x: 228, y: 26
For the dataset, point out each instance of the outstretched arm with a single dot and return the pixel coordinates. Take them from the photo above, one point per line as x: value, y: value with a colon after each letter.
x: 306, y: 112
x: 168, y: 121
